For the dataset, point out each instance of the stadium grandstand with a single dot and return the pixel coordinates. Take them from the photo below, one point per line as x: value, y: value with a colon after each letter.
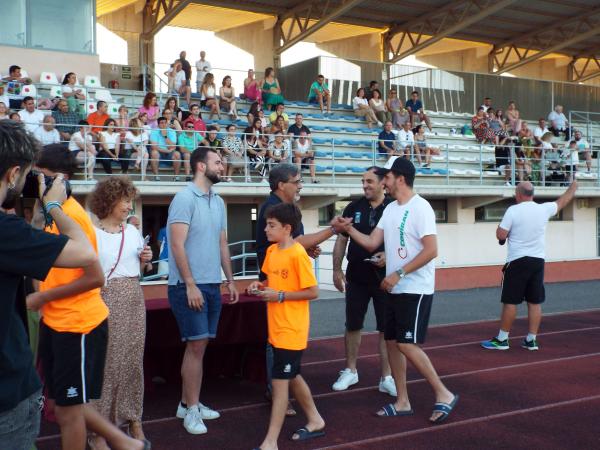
x: 480, y: 95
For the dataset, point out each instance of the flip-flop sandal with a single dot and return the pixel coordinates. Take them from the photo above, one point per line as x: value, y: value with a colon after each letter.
x: 445, y: 409
x: 305, y: 435
x: 391, y: 411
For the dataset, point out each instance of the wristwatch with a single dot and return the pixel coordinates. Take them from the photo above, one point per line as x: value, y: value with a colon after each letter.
x: 401, y: 273
x: 280, y: 296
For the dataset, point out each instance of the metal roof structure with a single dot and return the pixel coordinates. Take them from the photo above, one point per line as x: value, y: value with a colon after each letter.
x: 519, y: 32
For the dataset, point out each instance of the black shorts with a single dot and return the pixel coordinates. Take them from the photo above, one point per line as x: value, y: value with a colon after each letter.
x: 358, y: 296
x: 307, y: 162
x: 407, y: 318
x: 73, y: 363
x: 286, y: 363
x: 523, y: 280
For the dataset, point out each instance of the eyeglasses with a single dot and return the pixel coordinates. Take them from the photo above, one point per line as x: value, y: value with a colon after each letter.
x: 296, y: 182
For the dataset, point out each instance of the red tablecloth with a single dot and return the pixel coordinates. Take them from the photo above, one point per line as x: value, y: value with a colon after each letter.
x: 238, y: 350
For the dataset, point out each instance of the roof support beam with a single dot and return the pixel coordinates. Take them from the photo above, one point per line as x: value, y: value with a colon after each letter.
x: 158, y: 14
x: 295, y: 25
x: 539, y: 43
x: 432, y: 27
x: 590, y: 68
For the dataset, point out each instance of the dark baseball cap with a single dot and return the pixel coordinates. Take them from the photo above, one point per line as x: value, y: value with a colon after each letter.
x: 398, y: 165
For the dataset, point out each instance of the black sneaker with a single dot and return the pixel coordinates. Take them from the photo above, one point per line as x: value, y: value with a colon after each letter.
x: 495, y: 344
x: 530, y: 345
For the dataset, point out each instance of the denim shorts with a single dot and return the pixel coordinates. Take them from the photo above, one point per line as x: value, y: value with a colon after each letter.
x: 20, y: 426
x: 195, y: 325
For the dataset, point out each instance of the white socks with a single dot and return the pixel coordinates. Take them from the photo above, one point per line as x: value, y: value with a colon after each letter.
x: 502, y: 335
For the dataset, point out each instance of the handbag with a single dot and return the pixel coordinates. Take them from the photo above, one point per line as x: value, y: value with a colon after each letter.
x: 119, y: 256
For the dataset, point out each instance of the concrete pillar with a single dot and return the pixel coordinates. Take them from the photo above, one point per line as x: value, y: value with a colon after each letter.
x: 255, y: 38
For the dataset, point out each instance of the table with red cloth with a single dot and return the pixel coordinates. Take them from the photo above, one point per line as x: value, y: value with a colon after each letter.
x: 237, y: 351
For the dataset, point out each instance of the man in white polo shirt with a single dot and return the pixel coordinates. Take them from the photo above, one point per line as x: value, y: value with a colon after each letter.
x: 31, y: 117
x: 524, y: 225
x: 407, y: 228
x: 406, y: 141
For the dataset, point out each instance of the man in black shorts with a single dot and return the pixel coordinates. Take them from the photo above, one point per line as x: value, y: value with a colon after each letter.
x: 362, y: 281
x: 408, y: 229
x: 524, y: 225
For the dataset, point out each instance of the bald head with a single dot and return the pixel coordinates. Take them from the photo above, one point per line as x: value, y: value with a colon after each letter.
x: 524, y: 190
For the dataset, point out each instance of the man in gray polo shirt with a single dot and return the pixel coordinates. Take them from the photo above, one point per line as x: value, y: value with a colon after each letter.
x: 196, y: 233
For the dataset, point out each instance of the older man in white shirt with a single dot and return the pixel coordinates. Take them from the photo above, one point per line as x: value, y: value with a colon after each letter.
x: 406, y: 141
x: 559, y: 123
x: 47, y: 134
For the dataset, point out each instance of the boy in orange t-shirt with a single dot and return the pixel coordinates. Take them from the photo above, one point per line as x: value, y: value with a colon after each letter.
x: 290, y: 286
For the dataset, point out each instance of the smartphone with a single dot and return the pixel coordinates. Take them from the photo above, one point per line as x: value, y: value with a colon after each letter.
x: 146, y: 240
x: 373, y: 259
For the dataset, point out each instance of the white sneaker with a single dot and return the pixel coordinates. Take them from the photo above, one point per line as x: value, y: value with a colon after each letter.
x: 388, y: 386
x: 207, y: 413
x: 193, y: 421
x: 181, y: 411
x: 379, y: 124
x: 346, y: 379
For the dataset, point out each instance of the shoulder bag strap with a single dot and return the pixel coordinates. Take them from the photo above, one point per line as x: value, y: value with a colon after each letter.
x: 120, y: 252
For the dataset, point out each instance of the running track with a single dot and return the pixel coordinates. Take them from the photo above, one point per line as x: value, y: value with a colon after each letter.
x: 516, y: 399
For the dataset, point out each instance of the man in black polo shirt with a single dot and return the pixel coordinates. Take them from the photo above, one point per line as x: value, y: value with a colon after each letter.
x: 362, y: 281
x: 26, y: 252
x: 298, y: 127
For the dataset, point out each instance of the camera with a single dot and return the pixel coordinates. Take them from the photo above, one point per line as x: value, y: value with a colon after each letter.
x: 31, y: 189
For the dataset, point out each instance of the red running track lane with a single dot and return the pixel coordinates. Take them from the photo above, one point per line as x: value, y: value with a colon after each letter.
x: 496, y: 388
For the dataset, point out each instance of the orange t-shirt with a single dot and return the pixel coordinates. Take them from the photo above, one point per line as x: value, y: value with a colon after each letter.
x: 97, y: 120
x: 80, y: 313
x: 288, y: 270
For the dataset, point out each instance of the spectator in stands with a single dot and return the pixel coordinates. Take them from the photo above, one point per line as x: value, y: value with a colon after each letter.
x: 278, y: 150
x: 298, y: 127
x: 150, y: 107
x: 110, y: 146
x: 202, y: 68
x: 47, y: 133
x: 540, y: 130
x: 304, y: 156
x: 319, y: 94
x: 555, y: 170
x: 180, y: 85
x: 362, y: 109
x: 187, y: 68
x: 143, y: 118
x: 271, y: 90
x: 584, y: 147
x: 14, y: 116
x: 514, y: 118
x: 212, y: 139
x: 522, y: 164
x: 255, y: 150
x: 487, y: 104
x: 399, y: 114
x: 227, y: 100
x: 421, y: 147
x: 72, y: 93
x: 66, y: 120
x: 4, y: 112
x: 233, y: 151
x: 369, y: 89
x: 481, y: 127
x: 387, y: 140
x: 528, y: 151
x: 416, y: 111
x: 172, y: 121
x: 196, y: 118
x: 163, y: 141
x: 170, y: 74
x: 31, y: 117
x: 82, y: 145
x: 3, y: 97
x: 252, y: 90
x: 502, y: 118
x: 209, y: 95
x: 572, y: 160
x: 14, y: 75
x: 378, y: 106
x: 279, y: 111
x: 122, y: 121
x: 186, y: 141
x: 406, y: 141
x: 171, y: 104
x: 135, y: 144
x: 253, y: 112
x: 526, y: 138
x: 559, y: 123
x: 279, y: 127
x: 503, y: 161
x: 263, y: 120
x: 497, y: 126
x: 97, y: 118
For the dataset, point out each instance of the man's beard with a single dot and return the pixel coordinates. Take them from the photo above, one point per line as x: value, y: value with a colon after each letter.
x: 10, y: 201
x: 213, y: 176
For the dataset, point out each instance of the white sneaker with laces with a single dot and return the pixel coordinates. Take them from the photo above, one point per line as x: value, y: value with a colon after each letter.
x: 193, y: 421
x: 388, y: 386
x: 207, y: 413
x: 346, y: 379
x: 181, y: 411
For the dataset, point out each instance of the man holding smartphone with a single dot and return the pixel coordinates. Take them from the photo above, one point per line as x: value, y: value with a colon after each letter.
x: 362, y: 281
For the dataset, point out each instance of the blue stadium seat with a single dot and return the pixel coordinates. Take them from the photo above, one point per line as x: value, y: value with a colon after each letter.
x: 321, y: 141
x: 340, y: 169
x: 336, y: 129
x: 440, y: 171
x: 357, y: 155
x: 322, y: 154
x: 319, y: 168
x: 355, y: 169
x: 319, y: 127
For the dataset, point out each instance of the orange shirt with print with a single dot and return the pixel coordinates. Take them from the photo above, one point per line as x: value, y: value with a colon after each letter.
x: 288, y: 270
x: 97, y: 120
x: 83, y: 312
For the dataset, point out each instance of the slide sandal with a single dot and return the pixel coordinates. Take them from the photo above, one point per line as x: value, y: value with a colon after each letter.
x: 391, y: 411
x: 304, y: 435
x: 445, y: 409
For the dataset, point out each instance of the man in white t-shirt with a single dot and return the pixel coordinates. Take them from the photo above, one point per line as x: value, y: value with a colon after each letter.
x: 180, y: 83
x: 407, y: 227
x: 47, y: 134
x: 559, y: 123
x: 31, y: 117
x: 540, y: 130
x: 524, y: 225
x: 406, y: 140
x: 584, y: 147
x: 202, y: 68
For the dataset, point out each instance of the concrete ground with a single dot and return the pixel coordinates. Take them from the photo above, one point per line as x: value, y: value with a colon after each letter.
x: 469, y: 305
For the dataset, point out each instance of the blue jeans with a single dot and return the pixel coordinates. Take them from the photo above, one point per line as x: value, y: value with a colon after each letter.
x: 195, y: 325
x: 20, y: 426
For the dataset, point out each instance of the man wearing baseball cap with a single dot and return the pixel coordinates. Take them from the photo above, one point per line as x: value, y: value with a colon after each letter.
x: 407, y: 228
